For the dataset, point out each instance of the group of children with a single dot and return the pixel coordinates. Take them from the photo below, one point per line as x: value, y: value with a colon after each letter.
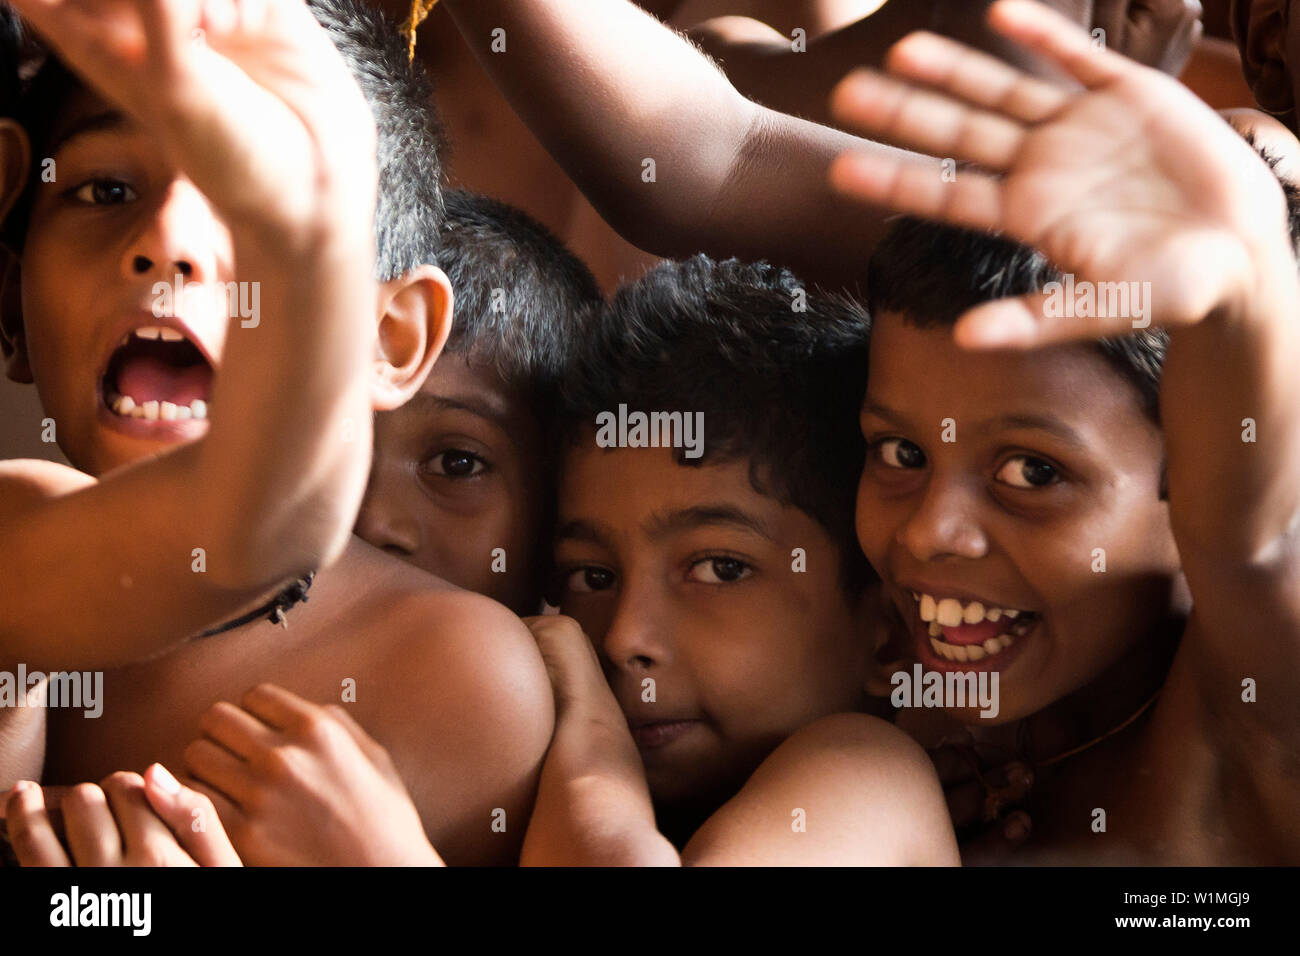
x: 936, y: 452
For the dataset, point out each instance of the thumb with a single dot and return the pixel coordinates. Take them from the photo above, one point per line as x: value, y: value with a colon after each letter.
x: 191, y: 817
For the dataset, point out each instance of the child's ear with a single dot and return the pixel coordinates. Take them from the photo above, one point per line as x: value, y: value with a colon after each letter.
x: 15, y: 161
x: 414, y: 321
x: 15, y: 158
x: 1260, y: 29
x: 13, y: 346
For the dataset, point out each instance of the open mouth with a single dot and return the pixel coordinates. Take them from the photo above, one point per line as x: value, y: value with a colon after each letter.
x: 157, y: 374
x: 970, y: 631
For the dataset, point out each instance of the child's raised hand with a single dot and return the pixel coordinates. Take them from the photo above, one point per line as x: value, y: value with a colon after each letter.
x: 248, y: 97
x: 127, y: 820
x: 1130, y: 179
x: 300, y: 785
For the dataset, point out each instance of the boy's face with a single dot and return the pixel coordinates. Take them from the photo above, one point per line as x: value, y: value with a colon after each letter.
x: 116, y: 220
x: 1046, y: 504
x: 456, y: 475
x: 683, y: 576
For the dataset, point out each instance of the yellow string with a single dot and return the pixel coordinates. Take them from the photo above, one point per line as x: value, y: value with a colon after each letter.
x: 419, y: 10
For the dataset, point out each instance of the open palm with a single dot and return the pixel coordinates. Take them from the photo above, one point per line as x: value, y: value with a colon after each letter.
x: 248, y: 97
x: 1129, y: 179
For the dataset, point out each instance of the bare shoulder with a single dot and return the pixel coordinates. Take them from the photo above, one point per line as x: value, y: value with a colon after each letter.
x: 845, y: 789
x: 468, y: 715
x: 25, y: 481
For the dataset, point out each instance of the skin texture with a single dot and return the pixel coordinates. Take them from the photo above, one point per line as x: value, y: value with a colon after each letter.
x: 711, y: 611
x: 455, y: 476
x: 1205, y: 776
x: 423, y: 656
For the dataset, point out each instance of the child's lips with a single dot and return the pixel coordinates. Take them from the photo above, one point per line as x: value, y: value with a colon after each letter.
x: 651, y: 735
x: 960, y: 634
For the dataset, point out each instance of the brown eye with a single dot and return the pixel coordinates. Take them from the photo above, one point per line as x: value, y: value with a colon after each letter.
x: 589, y: 579
x: 900, y: 453
x: 456, y: 463
x: 1026, y: 471
x: 719, y: 570
x: 105, y: 192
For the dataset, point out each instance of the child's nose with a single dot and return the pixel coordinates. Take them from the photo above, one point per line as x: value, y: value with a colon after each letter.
x: 181, y: 235
x: 637, y: 640
x: 945, y: 524
x: 383, y: 523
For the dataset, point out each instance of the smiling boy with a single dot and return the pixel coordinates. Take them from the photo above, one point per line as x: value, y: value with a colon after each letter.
x: 1147, y: 547
x: 132, y: 206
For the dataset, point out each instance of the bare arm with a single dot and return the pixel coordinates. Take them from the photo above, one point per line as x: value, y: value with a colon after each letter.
x: 606, y: 87
x: 271, y: 127
x: 847, y: 790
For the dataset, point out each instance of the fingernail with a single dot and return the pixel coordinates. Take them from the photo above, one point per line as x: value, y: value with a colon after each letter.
x: 1016, y: 827
x: 22, y: 785
x: 164, y: 780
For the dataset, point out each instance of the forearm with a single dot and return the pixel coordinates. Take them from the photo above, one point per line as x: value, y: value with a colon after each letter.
x: 731, y: 178
x: 285, y: 461
x: 1233, y: 433
x: 593, y: 806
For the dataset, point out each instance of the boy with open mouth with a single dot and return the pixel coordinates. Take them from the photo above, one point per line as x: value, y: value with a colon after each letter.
x: 220, y: 455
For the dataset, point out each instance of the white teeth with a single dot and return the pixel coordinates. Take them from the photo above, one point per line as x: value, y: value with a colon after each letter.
x: 128, y: 407
x: 935, y: 629
x: 948, y: 612
x: 1011, y: 613
x: 994, y: 613
x: 974, y: 613
x: 968, y: 653
x: 927, y: 607
x: 171, y: 335
x: 150, y: 332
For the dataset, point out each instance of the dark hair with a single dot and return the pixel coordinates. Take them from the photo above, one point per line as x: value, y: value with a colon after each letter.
x: 931, y: 273
x: 518, y: 292
x: 409, y: 213
x: 777, y: 369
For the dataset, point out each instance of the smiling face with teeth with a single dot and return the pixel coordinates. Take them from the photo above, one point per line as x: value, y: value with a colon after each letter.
x: 120, y: 380
x: 987, y: 544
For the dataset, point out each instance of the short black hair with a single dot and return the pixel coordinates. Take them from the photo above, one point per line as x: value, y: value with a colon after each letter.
x: 778, y: 370
x: 519, y: 294
x: 409, y: 212
x: 931, y: 273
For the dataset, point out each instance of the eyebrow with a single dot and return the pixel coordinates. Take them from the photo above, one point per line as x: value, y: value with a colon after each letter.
x: 662, y: 525
x: 104, y: 121
x: 494, y: 412
x: 706, y: 516
x: 1045, y: 423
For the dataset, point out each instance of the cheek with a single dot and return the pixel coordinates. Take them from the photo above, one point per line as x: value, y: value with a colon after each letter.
x: 874, y: 521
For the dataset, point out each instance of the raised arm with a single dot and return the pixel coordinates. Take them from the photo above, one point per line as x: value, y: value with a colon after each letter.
x: 266, y: 121
x: 606, y: 88
x: 1134, y: 179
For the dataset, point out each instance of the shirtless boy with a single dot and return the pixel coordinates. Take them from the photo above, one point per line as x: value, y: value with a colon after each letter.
x: 262, y: 177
